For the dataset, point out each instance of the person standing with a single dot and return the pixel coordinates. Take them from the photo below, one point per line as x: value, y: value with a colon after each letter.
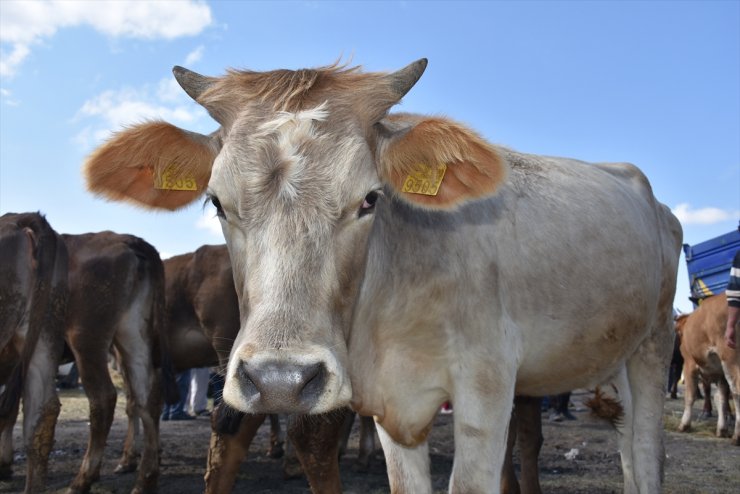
x: 198, y: 399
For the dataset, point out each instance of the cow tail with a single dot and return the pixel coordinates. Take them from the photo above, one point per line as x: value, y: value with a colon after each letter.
x: 606, y: 407
x: 166, y: 366
x: 11, y: 396
x: 49, y: 304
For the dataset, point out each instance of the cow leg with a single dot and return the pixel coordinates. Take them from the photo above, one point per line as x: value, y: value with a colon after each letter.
x: 529, y: 437
x: 345, y: 432
x: 367, y: 443
x: 722, y: 396
x: 706, y: 386
x: 481, y: 428
x: 129, y: 458
x: 228, y: 449
x: 645, y: 371
x: 691, y: 375
x: 509, y: 482
x: 277, y: 437
x: 142, y: 382
x: 408, y: 468
x: 93, y: 367
x: 41, y: 408
x: 316, y: 442
x: 6, y: 442
x: 732, y: 371
x: 292, y: 468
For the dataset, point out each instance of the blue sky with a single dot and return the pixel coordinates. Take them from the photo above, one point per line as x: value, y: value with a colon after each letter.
x: 653, y: 83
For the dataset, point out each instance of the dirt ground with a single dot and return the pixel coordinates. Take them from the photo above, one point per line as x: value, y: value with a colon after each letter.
x: 697, y: 462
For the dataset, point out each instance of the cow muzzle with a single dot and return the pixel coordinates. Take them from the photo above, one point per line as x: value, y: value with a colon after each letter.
x: 307, y: 381
x: 282, y: 386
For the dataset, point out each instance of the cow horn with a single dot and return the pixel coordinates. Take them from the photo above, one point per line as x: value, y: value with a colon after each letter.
x: 403, y: 80
x: 193, y: 83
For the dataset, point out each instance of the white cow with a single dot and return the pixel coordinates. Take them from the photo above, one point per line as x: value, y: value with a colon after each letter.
x: 396, y: 261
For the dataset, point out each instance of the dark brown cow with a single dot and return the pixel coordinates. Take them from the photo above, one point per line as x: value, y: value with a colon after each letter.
x: 117, y: 302
x: 706, y: 354
x: 33, y: 302
x: 202, y: 320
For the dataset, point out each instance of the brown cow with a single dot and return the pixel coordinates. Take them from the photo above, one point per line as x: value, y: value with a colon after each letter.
x: 202, y: 320
x: 33, y: 303
x: 117, y: 301
x: 705, y: 353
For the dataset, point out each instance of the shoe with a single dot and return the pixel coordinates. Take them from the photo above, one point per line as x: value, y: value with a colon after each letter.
x: 568, y: 416
x: 181, y: 416
x: 556, y: 416
x: 203, y: 413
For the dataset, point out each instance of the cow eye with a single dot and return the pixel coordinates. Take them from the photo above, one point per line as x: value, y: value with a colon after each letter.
x: 368, y: 204
x: 217, y: 204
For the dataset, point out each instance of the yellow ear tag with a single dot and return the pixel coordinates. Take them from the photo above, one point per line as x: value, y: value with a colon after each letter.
x: 425, y: 179
x: 165, y: 181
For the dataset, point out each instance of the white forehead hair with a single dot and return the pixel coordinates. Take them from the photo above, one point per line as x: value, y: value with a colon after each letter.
x: 295, y: 120
x: 290, y: 130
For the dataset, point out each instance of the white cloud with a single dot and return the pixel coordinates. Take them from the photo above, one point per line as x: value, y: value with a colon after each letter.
x: 24, y: 23
x: 210, y: 222
x: 703, y: 216
x: 7, y: 97
x: 114, y: 109
x: 195, y: 55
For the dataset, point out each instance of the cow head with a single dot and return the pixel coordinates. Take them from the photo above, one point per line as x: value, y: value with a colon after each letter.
x: 296, y: 171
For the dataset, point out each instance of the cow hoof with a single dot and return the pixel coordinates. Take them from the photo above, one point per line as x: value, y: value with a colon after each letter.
x: 125, y: 468
x: 276, y: 451
x: 684, y: 428
x: 736, y: 440
x: 704, y: 415
x: 292, y: 470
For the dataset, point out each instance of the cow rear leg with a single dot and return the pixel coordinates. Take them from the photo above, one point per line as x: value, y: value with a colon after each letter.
x: 41, y: 408
x: 142, y: 383
x: 691, y: 375
x: 130, y: 456
x: 316, y: 442
x: 529, y: 438
x: 408, y: 468
x: 732, y: 371
x: 706, y: 386
x: 227, y: 450
x: 722, y: 395
x: 6, y: 442
x: 98, y: 386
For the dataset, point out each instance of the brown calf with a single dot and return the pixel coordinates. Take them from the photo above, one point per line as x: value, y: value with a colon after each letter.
x: 117, y: 301
x: 706, y: 355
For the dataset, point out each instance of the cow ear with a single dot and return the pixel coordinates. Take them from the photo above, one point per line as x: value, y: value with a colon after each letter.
x: 155, y: 165
x: 436, y: 163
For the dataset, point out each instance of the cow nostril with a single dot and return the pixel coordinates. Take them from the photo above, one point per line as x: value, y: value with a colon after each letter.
x: 314, y: 377
x: 249, y: 388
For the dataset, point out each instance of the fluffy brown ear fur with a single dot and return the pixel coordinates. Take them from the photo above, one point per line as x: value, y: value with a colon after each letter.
x: 474, y: 168
x: 132, y: 162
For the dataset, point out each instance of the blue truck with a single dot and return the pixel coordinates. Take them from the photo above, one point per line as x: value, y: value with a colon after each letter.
x: 709, y: 263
